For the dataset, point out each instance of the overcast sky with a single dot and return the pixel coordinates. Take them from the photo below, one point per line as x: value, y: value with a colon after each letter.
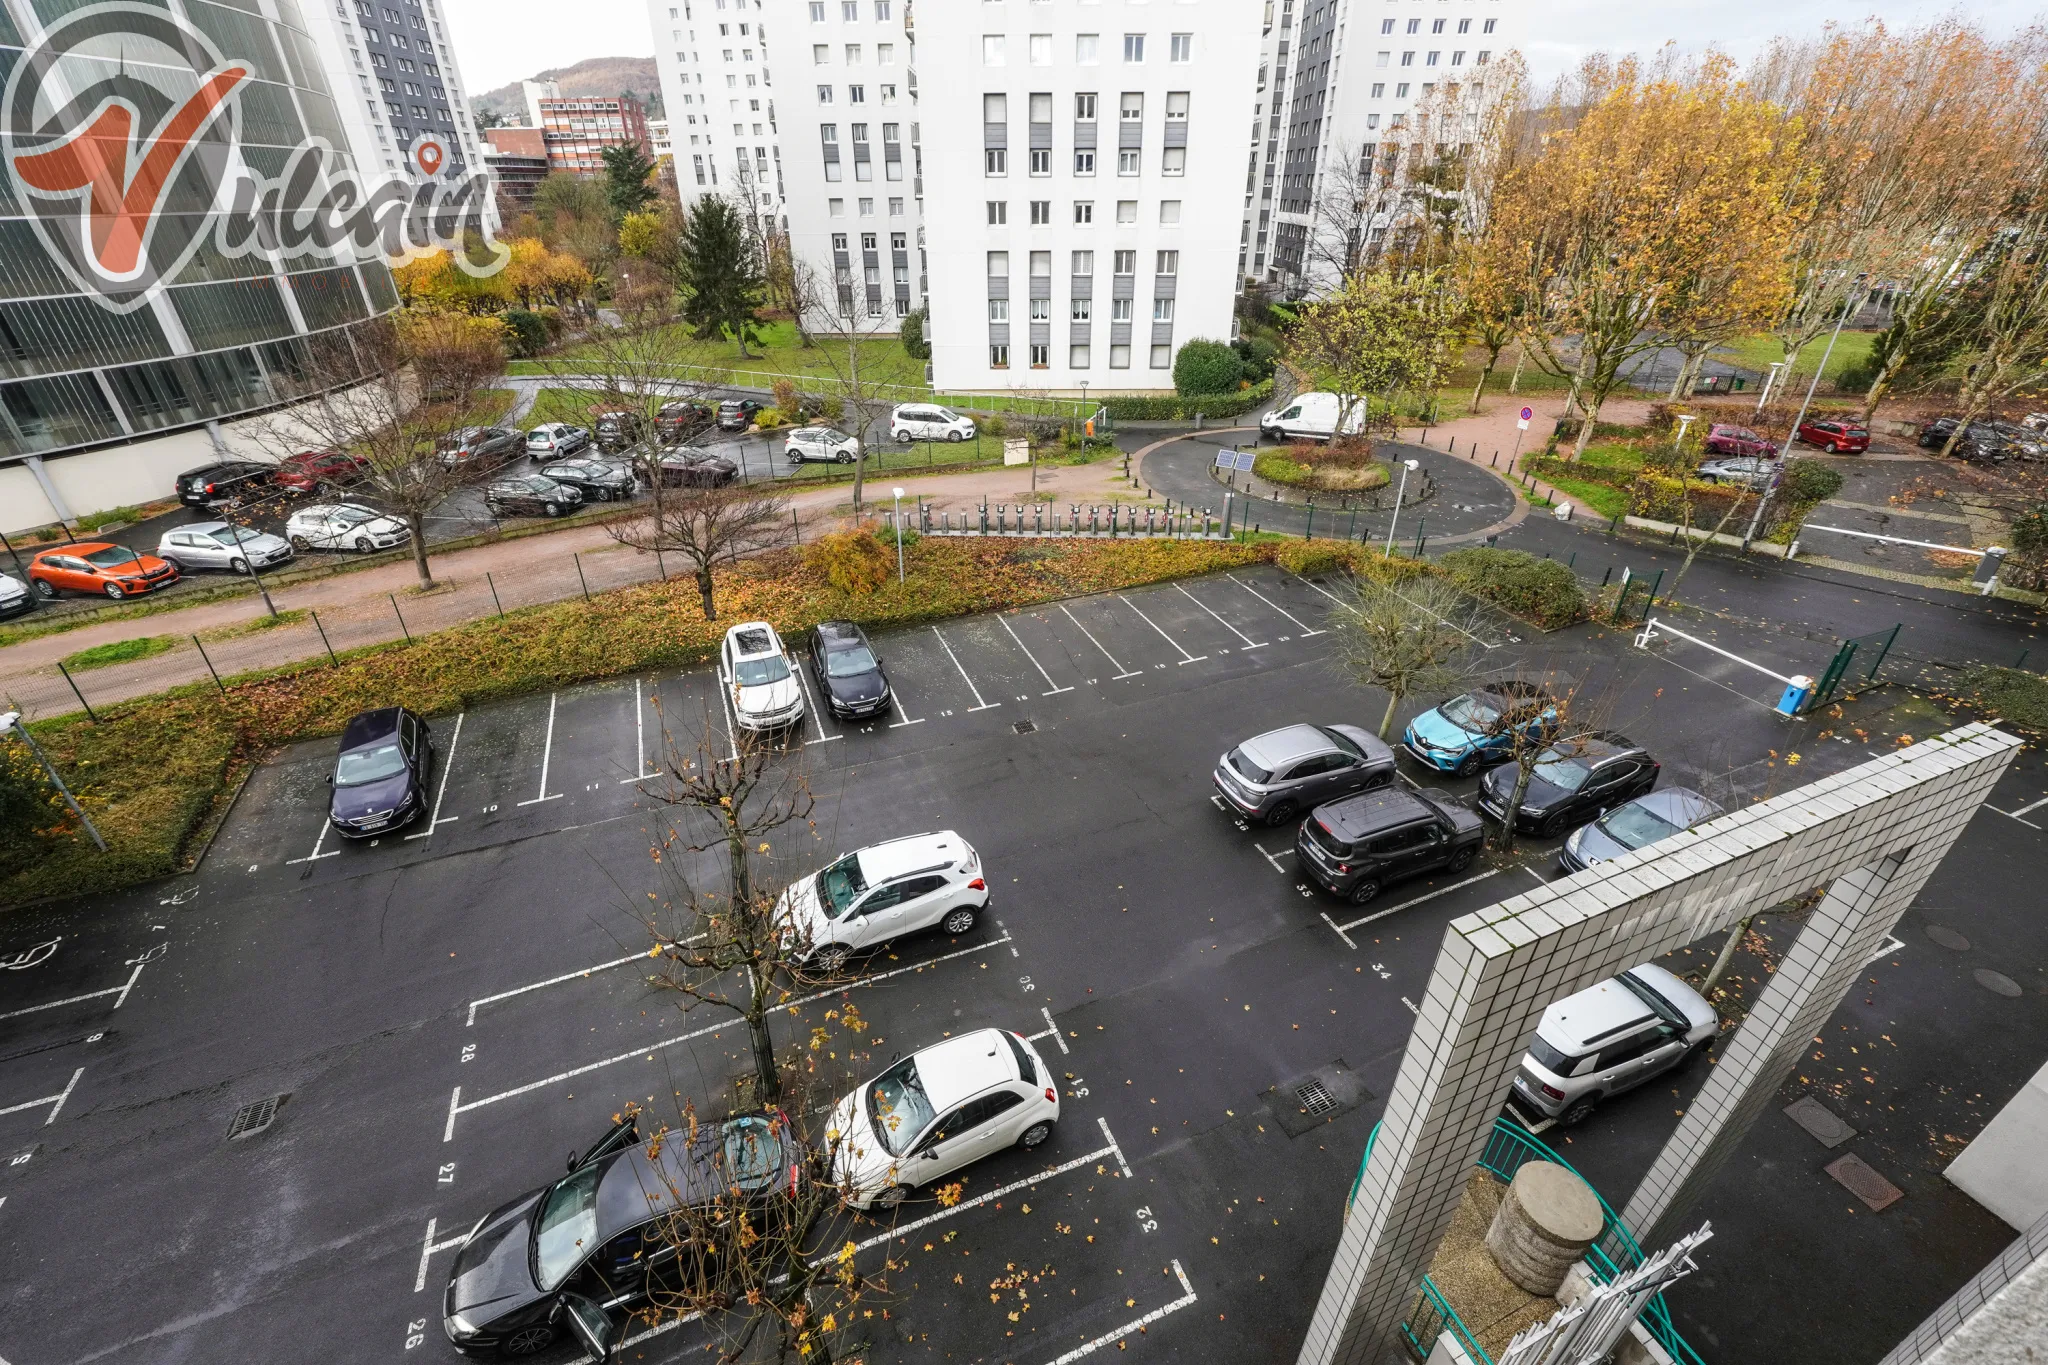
x: 498, y: 41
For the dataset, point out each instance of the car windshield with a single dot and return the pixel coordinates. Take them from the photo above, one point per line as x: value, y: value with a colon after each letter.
x: 898, y: 1107
x: 840, y: 885
x: 1669, y: 1012
x: 760, y: 672
x: 1567, y: 772
x: 1632, y: 826
x: 567, y: 1226
x: 1342, y: 742
x: 849, y: 663
x: 1549, y: 1058
x: 1248, y: 770
x: 832, y: 434
x: 235, y: 535
x: 752, y: 1151
x: 1472, y: 712
x: 947, y: 415
x: 358, y: 766
x: 353, y: 516
x: 113, y: 556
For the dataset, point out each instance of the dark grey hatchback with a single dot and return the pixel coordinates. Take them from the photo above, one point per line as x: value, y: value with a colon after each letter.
x: 1275, y: 776
x: 380, y: 777
x: 1352, y: 848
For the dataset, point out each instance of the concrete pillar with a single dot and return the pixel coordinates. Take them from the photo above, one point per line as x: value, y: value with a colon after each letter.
x: 57, y: 503
x: 1545, y: 1223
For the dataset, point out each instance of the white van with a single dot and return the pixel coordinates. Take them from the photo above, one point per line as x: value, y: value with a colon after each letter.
x: 928, y: 422
x: 1312, y: 416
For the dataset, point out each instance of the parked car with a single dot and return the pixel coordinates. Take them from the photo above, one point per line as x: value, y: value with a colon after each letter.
x: 939, y: 1109
x: 221, y: 545
x: 755, y: 670
x: 1748, y: 471
x: 1478, y: 727
x: 552, y: 1262
x: 619, y: 428
x: 482, y: 448
x: 99, y: 568
x: 682, y: 418
x: 1980, y: 443
x: 15, y: 597
x: 596, y: 480
x: 1724, y: 438
x: 1572, y: 781
x: 737, y: 414
x: 1610, y: 1038
x: 1355, y: 846
x: 2021, y: 440
x: 696, y: 467
x: 874, y: 895
x: 820, y: 445
x: 1843, y: 438
x: 1310, y: 416
x: 1635, y: 824
x: 380, y: 776
x: 929, y: 422
x: 530, y: 495
x: 224, y: 481
x: 555, y: 440
x: 312, y: 470
x: 345, y: 526
x: 1275, y: 776
x: 848, y: 671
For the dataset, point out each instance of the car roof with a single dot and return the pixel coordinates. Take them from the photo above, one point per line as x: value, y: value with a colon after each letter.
x: 205, y: 528
x: 912, y: 853
x: 1596, y: 745
x: 963, y: 1067
x: 751, y: 638
x: 637, y: 1185
x: 1286, y: 744
x: 1680, y: 806
x: 1367, y: 813
x: 368, y: 727
x: 1596, y: 1015
x: 832, y: 633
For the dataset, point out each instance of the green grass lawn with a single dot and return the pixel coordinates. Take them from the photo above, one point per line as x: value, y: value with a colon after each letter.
x: 882, y: 359
x: 1759, y: 352
x: 120, y: 652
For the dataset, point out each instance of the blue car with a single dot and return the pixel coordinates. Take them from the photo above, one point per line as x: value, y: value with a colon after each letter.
x: 1478, y: 727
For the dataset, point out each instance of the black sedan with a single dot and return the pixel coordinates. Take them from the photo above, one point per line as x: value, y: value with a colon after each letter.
x: 848, y: 671
x: 596, y: 480
x: 1573, y: 781
x: 696, y: 467
x: 549, y: 1263
x: 531, y: 495
x: 1634, y: 824
x: 380, y: 779
x: 737, y: 414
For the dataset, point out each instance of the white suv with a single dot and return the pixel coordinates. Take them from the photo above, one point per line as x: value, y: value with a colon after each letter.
x: 924, y: 422
x: 937, y: 1110
x: 1610, y: 1038
x: 822, y: 445
x: 757, y: 675
x: 876, y: 894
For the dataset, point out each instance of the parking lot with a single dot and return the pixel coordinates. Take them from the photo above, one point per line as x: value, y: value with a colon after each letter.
x: 451, y: 1009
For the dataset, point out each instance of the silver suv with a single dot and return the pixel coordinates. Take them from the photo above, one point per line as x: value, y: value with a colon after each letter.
x: 1609, y: 1038
x: 1276, y: 776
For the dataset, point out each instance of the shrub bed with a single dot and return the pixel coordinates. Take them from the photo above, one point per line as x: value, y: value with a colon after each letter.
x: 2012, y: 695
x: 1171, y: 407
x: 1539, y: 590
x: 1346, y: 467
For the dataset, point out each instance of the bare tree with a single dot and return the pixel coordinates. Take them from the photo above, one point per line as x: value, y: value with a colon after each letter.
x: 1536, y: 720
x: 845, y: 314
x: 1405, y: 639
x: 704, y: 525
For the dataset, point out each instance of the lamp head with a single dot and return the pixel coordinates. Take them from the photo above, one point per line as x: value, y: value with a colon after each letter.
x: 898, y: 492
x: 1412, y: 464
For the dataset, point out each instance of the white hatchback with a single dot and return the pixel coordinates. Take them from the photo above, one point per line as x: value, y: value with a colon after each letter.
x: 872, y: 895
x: 763, y: 688
x: 927, y: 422
x: 344, y: 526
x: 555, y: 440
x: 937, y: 1110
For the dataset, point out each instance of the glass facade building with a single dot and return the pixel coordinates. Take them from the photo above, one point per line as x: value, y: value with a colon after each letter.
x: 224, y: 336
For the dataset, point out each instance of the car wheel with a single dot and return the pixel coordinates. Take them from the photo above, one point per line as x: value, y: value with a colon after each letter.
x: 555, y: 509
x: 363, y: 545
x: 1553, y: 826
x: 114, y: 590
x: 1467, y: 765
x: 844, y: 457
x: 830, y: 959
x: 956, y: 435
x: 901, y: 438
x: 1460, y: 860
x: 528, y: 1341
x: 1577, y: 1112
x: 301, y: 543
x: 1281, y: 813
x: 1697, y: 1050
x: 1365, y: 892
x: 1036, y: 1134
x: 958, y: 920
x: 238, y: 565
x: 46, y: 589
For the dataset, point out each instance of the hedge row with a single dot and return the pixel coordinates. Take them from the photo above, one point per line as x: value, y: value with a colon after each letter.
x: 1539, y: 590
x: 1172, y: 407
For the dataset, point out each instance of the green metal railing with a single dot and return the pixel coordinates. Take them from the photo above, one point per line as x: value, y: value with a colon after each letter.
x: 1613, y: 1253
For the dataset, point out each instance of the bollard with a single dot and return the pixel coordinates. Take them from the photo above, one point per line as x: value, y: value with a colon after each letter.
x: 1616, y: 522
x: 579, y: 574
x: 1605, y: 576
x: 400, y: 615
x: 1038, y: 519
x: 76, y: 693
x: 1148, y: 521
x: 1573, y: 561
x: 793, y: 521
x: 2021, y: 662
x: 1496, y: 460
x: 1308, y: 532
x: 209, y: 666
x: 494, y: 595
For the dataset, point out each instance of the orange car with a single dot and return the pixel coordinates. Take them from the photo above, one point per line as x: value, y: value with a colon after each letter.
x: 99, y: 568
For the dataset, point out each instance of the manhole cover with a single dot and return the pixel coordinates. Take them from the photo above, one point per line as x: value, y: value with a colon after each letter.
x: 1948, y: 938
x: 1998, y: 983
x: 251, y: 1119
x: 1861, y: 1180
x: 1819, y: 1120
x: 1316, y: 1099
x: 1025, y: 727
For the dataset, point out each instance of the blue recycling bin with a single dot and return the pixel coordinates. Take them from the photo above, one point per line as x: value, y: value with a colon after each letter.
x: 1796, y: 695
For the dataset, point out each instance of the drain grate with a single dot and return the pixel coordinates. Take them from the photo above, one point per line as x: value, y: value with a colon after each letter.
x: 1316, y: 1099
x: 252, y: 1119
x: 1026, y: 727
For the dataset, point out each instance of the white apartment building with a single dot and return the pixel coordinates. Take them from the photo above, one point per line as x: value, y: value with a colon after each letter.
x: 1069, y: 146
x: 852, y: 176
x: 1340, y: 80
x: 392, y: 69
x: 715, y: 66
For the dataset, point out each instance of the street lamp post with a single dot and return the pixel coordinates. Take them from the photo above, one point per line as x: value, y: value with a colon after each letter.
x: 1399, y: 493
x: 899, y: 535
x: 1756, y: 519
x: 1772, y: 378
x: 12, y: 723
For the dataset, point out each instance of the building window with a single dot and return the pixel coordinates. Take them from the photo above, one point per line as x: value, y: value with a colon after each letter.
x: 1483, y: 58
x: 1041, y: 264
x: 1176, y: 106
x: 1041, y: 49
x: 1182, y: 48
x: 1401, y: 93
x: 998, y: 212
x: 1127, y: 210
x: 821, y: 54
x: 817, y: 11
x: 1081, y: 310
x: 1041, y: 355
x: 1174, y: 161
x: 1119, y: 310
x: 1077, y: 357
x: 1382, y: 58
x: 996, y: 161
x: 1041, y: 212
x: 999, y: 263
x: 1407, y: 59
x: 1372, y: 120
x: 995, y: 108
x: 999, y: 357
x: 1168, y: 263
x: 1386, y: 25
x: 1169, y: 210
x: 1084, y: 162
x: 1041, y: 161
x: 885, y: 54
x: 1458, y: 57
x: 895, y: 206
x: 1464, y: 26
x: 700, y: 168
x: 881, y: 11
x: 1127, y: 161
x: 1084, y: 212
x: 1379, y: 90
x: 824, y: 94
x: 1415, y: 26
x: 1134, y: 49
x: 1085, y: 46
x: 998, y: 310
x: 1084, y: 108
x: 834, y: 208
x: 888, y: 94
x: 1162, y: 357
x: 1041, y: 310
x: 1488, y: 27
x: 853, y: 54
x: 992, y: 49
x: 897, y: 241
x: 1119, y: 357
x: 1083, y: 263
x: 1131, y: 108
x: 867, y: 210
x: 856, y: 94
x: 1126, y: 263
x: 1162, y: 310
x: 1432, y: 58
x: 1436, y: 26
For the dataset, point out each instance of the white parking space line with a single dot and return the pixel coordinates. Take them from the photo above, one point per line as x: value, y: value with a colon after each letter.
x: 979, y: 704
x: 434, y: 821
x: 1056, y: 689
x: 456, y: 1106
x: 1411, y: 1007
x: 2008, y: 814
x: 1440, y: 891
x: 314, y: 856
x: 1892, y: 944
x: 902, y: 710
x: 1249, y: 643
x: 1271, y: 859
x: 1110, y: 1138
x: 732, y: 728
x: 817, y: 712
x: 1413, y: 785
x: 1054, y: 1030
x: 639, y: 740
x: 964, y: 1205
x: 2032, y: 806
x: 1185, y: 657
x: 1122, y: 672
x: 1186, y: 1298
x: 1306, y: 631
x: 56, y: 1102
x: 547, y: 754
x: 556, y: 981
x: 1338, y: 930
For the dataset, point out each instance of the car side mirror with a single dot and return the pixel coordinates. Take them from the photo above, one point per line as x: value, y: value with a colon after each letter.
x: 572, y: 1161
x: 330, y: 779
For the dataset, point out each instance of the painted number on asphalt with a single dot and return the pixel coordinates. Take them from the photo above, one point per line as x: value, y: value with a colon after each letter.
x: 1146, y: 1223
x: 416, y: 1333
x: 1079, y: 1089
x: 1025, y: 982
x: 469, y: 1052
x: 447, y: 1174
x: 1385, y: 975
x: 1302, y: 887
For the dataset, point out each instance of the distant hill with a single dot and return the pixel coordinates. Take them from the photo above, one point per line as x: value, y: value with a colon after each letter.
x: 635, y: 76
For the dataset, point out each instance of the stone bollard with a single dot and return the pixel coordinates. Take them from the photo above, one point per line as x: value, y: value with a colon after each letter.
x: 1545, y: 1223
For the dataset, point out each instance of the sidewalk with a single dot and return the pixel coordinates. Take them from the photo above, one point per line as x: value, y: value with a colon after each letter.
x: 383, y: 603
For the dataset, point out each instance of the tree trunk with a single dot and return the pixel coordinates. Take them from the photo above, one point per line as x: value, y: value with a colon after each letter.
x: 1492, y: 360
x: 1506, y: 842
x: 1387, y: 721
x: 1521, y: 356
x: 1590, y: 416
x: 704, y: 592
x: 1692, y: 547
x: 417, y: 524
x: 860, y: 426
x: 767, y: 1080
x: 1727, y: 954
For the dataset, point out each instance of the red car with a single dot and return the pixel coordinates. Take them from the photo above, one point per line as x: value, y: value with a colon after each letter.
x: 313, y: 470
x: 100, y: 569
x: 1724, y: 439
x: 1843, y: 438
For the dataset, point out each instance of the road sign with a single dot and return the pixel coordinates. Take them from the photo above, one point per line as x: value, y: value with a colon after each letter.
x: 1522, y: 424
x: 1239, y: 460
x: 1527, y: 413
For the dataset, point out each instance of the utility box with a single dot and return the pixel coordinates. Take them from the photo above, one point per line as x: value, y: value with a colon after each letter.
x: 1986, y: 577
x: 1797, y: 694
